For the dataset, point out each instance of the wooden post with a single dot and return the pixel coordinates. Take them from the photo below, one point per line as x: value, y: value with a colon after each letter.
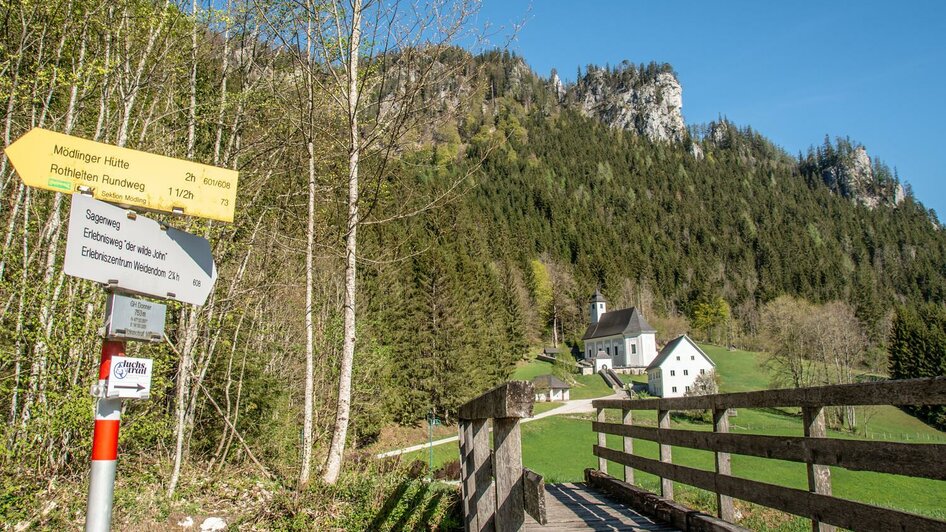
x: 602, y: 442
x: 510, y: 513
x: 466, y: 480
x: 819, y: 476
x: 723, y: 465
x: 628, y: 446
x: 480, y: 496
x: 666, y: 485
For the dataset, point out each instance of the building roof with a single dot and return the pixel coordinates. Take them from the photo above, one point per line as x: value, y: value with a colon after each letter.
x: 597, y: 297
x: 551, y: 350
x: 549, y: 382
x: 672, y: 346
x: 627, y: 321
x: 601, y: 355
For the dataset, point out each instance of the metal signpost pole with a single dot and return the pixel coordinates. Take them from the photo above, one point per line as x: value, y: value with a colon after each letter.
x: 104, y: 445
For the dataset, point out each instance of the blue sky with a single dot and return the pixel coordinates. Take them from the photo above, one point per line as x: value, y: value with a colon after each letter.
x: 794, y: 71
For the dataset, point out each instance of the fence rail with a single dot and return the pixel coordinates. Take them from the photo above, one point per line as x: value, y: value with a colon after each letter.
x: 814, y: 449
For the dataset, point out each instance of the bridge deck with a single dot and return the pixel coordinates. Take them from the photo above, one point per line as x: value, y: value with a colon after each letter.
x: 578, y: 507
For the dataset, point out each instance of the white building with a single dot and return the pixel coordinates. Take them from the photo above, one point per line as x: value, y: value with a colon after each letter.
x: 550, y: 388
x: 601, y: 361
x: 622, y: 334
x: 679, y: 363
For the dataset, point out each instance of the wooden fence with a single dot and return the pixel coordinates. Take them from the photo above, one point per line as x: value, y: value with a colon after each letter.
x: 815, y: 449
x: 497, y: 490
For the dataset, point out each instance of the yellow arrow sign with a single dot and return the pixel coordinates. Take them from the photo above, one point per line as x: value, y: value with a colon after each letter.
x: 53, y: 161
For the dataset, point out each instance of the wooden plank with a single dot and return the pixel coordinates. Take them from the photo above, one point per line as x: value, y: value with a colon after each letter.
x: 666, y: 484
x: 819, y: 476
x: 576, y: 507
x: 533, y: 486
x: 482, y: 501
x: 929, y: 391
x: 627, y: 419
x: 603, y: 442
x: 507, y: 454
x: 840, y: 512
x: 724, y: 503
x: 511, y: 399
x: 910, y: 459
x: 647, y: 503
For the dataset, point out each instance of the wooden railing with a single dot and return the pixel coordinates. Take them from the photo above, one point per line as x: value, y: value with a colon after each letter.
x: 497, y: 490
x: 814, y: 449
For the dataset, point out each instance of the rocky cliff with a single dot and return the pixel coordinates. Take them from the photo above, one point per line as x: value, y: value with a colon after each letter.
x: 853, y: 176
x: 646, y: 99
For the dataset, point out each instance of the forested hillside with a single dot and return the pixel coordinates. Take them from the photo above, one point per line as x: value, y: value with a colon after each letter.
x: 652, y: 223
x: 487, y: 221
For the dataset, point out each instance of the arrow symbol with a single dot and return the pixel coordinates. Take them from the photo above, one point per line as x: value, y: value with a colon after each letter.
x: 137, y: 387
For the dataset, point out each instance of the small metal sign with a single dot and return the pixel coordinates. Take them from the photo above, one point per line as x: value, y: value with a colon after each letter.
x: 133, y: 253
x: 129, y: 378
x: 128, y: 318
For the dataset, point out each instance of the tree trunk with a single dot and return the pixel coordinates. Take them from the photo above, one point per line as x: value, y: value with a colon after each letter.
x: 333, y: 462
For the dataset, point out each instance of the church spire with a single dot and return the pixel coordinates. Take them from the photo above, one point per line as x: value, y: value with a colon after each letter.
x: 598, y: 306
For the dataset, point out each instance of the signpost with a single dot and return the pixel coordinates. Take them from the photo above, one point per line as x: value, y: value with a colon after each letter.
x: 130, y: 252
x: 127, y: 318
x: 62, y: 163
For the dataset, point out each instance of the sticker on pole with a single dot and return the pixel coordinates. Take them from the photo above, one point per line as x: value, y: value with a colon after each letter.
x: 129, y: 318
x: 133, y: 253
x: 129, y: 378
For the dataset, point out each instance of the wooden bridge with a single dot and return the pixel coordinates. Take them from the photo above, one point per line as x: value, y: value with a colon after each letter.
x: 499, y: 494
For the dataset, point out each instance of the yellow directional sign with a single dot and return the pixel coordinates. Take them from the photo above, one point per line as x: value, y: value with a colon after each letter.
x: 53, y: 161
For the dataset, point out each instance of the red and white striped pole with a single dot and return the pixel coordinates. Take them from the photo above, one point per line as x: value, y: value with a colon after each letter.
x: 98, y: 515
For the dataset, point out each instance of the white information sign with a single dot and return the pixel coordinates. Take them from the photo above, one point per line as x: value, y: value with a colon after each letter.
x: 129, y: 378
x: 114, y: 246
x: 129, y: 318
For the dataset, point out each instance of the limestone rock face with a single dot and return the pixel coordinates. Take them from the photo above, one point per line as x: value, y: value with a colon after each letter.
x: 853, y: 177
x: 696, y: 151
x: 557, y: 86
x: 646, y: 100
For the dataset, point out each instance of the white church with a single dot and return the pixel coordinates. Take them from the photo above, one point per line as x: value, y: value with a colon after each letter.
x: 621, y: 337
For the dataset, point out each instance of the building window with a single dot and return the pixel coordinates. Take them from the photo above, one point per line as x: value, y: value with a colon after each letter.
x: 702, y: 372
x: 692, y: 357
x: 686, y: 372
x: 688, y: 388
x: 607, y: 350
x: 674, y: 389
x: 673, y: 373
x: 678, y: 358
x: 633, y: 349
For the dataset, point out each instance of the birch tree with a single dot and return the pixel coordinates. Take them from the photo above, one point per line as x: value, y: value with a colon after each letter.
x: 376, y: 59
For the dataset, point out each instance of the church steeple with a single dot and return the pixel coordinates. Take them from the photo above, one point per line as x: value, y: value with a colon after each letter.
x: 598, y: 306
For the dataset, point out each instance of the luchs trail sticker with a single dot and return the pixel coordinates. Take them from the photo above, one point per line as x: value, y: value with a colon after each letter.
x: 130, y: 378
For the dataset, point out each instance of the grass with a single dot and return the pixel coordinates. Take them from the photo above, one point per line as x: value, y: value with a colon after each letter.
x: 559, y: 447
x: 538, y: 408
x: 528, y: 370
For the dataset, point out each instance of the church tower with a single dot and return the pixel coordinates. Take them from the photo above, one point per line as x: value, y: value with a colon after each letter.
x: 598, y: 306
